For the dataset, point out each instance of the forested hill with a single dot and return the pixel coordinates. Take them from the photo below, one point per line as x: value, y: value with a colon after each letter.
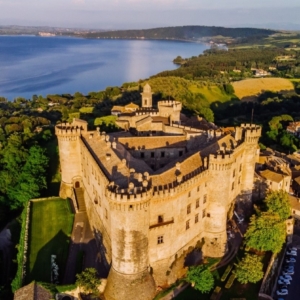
x: 184, y: 33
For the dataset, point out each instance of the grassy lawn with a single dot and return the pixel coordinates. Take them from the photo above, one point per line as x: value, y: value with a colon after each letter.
x: 50, y: 227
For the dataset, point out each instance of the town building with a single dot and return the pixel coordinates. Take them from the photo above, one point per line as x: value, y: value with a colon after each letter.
x: 156, y: 191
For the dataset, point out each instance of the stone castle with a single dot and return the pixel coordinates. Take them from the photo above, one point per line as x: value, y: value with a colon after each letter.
x: 156, y: 190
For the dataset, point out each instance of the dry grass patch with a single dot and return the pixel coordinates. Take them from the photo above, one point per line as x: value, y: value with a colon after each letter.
x: 255, y: 86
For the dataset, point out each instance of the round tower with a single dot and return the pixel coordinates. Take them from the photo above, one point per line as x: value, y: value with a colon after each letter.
x: 147, y: 96
x: 215, y: 230
x: 69, y: 154
x: 221, y: 179
x: 129, y: 276
x: 252, y: 134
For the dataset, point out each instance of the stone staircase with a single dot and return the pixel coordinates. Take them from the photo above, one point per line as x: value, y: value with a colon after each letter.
x: 79, y: 193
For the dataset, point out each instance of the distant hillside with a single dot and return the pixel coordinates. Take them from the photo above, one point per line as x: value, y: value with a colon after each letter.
x: 189, y: 33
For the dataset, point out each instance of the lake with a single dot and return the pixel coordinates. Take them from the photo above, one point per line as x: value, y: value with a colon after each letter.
x: 55, y: 65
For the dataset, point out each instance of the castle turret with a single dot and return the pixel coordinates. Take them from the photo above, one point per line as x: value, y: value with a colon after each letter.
x: 252, y: 134
x: 129, y: 276
x: 69, y: 153
x: 147, y: 96
x: 220, y: 197
x: 215, y: 230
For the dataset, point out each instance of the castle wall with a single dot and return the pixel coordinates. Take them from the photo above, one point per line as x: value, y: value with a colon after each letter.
x: 98, y: 210
x: 182, y: 221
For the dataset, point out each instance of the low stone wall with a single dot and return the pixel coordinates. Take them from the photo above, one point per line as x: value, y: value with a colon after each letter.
x: 270, y: 279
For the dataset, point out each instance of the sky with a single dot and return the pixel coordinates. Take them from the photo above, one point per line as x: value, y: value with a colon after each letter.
x: 142, y: 14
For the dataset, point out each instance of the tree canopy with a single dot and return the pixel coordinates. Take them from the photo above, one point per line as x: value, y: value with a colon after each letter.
x: 278, y: 202
x: 249, y: 269
x: 22, y: 172
x: 88, y: 281
x: 201, y: 278
x: 266, y: 232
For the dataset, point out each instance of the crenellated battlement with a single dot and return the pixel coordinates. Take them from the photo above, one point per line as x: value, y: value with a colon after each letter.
x: 176, y: 105
x: 73, y: 129
x: 67, y: 131
x: 252, y: 129
x: 137, y: 194
x: 182, y: 184
x: 221, y: 161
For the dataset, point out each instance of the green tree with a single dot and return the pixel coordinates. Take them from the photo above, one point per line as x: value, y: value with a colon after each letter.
x: 266, y: 232
x: 201, y: 278
x: 278, y: 202
x: 88, y: 281
x: 249, y: 269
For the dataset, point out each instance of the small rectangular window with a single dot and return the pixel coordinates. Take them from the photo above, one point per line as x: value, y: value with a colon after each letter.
x: 197, y: 203
x: 163, y: 154
x: 188, y: 209
x: 160, y: 239
x: 142, y: 154
x: 204, y: 198
x: 196, y: 218
x: 198, y: 189
x: 187, y: 225
x: 240, y: 167
x: 180, y: 153
x: 152, y: 154
x: 106, y: 214
x: 203, y: 213
x: 189, y: 194
x: 160, y: 219
x: 233, y: 174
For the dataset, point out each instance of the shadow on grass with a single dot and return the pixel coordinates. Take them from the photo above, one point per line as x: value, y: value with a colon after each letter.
x: 41, y: 270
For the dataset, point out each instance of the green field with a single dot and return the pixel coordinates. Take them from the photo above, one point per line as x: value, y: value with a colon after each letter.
x: 50, y: 228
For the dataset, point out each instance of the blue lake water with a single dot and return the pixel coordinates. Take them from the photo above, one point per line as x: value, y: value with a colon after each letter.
x: 55, y: 65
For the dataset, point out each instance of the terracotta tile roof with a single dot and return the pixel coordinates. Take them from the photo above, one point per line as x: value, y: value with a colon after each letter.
x: 295, y: 204
x: 187, y: 166
x: 153, y: 142
x: 270, y: 175
x: 131, y: 105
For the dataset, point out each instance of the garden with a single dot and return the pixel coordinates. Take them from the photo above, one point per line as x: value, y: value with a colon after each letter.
x: 50, y: 227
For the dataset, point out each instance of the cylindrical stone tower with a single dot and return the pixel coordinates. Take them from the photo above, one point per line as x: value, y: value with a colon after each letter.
x: 251, y: 133
x: 69, y: 153
x: 129, y: 276
x: 215, y: 230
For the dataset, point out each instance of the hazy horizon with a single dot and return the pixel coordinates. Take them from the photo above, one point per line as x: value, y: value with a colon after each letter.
x: 140, y: 14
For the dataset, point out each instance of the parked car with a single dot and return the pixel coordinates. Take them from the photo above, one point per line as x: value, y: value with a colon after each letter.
x: 282, y: 292
x: 286, y: 276
x: 290, y: 260
x: 293, y: 249
x: 288, y: 272
x: 293, y: 253
x: 289, y: 268
x: 284, y: 281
